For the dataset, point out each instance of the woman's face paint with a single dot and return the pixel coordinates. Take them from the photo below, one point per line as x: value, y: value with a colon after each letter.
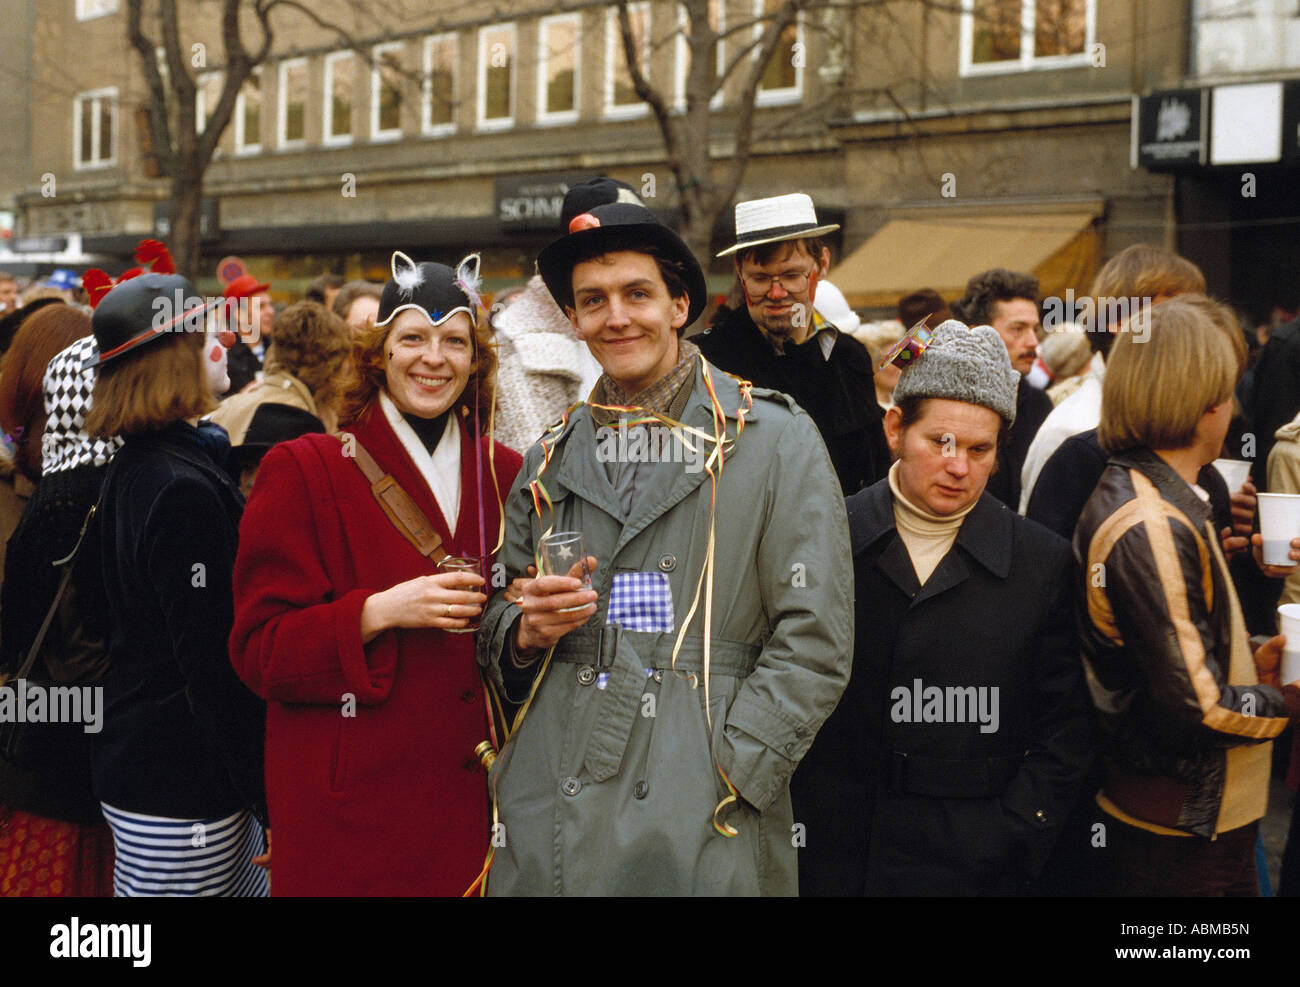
x: 214, y: 361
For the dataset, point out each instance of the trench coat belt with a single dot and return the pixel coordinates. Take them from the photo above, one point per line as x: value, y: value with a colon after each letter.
x: 597, y: 646
x: 974, y: 777
x: 620, y: 699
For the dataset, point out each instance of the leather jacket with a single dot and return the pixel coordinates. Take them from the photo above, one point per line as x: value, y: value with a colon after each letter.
x: 1184, y: 722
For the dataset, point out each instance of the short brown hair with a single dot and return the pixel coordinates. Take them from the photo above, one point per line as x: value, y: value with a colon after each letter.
x: 1140, y: 271
x: 1158, y: 385
x: 671, y: 270
x: 351, y: 291
x: 766, y: 253
x: 310, y: 342
x: 151, y: 387
x: 984, y: 290
x: 42, y: 336
x: 922, y: 305
x: 365, y: 376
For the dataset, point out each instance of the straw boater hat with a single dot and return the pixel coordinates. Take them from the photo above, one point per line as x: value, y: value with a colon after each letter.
x: 782, y: 217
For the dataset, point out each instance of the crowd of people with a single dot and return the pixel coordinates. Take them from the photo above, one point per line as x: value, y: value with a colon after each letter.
x: 561, y: 598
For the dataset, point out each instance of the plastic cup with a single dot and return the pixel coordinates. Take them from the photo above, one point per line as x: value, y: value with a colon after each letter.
x: 561, y: 553
x: 1235, y: 472
x: 1279, y: 522
x: 463, y: 563
x: 1288, y: 621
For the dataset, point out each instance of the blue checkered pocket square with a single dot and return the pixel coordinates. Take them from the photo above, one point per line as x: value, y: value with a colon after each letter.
x: 641, y: 601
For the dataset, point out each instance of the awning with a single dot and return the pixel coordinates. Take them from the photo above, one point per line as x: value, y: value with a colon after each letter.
x: 944, y: 252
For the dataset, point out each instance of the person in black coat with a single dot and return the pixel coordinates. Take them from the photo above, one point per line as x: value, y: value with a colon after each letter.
x: 777, y: 340
x: 958, y: 748
x: 1008, y: 301
x: 182, y: 736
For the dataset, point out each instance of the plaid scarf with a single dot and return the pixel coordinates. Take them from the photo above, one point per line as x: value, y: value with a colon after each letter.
x: 659, y: 397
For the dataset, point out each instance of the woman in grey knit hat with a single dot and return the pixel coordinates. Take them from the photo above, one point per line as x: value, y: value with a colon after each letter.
x: 957, y: 750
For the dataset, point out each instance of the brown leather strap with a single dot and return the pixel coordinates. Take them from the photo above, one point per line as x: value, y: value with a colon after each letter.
x: 396, y: 503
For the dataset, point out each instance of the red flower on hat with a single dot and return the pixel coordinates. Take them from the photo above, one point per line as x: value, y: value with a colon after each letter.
x: 154, y: 257
x: 583, y: 221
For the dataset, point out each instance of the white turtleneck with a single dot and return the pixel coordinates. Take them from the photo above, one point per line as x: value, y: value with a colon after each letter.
x: 927, y: 537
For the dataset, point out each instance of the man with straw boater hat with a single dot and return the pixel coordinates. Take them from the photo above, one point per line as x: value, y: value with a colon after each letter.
x: 779, y: 339
x: 666, y: 706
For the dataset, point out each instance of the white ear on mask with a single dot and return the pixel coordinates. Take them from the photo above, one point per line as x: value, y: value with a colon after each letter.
x: 467, y: 273
x: 406, y: 273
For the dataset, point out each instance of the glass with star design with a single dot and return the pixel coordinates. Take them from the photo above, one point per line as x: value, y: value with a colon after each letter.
x: 562, y: 553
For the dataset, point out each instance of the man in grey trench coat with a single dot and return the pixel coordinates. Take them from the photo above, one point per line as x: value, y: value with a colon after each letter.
x: 632, y: 764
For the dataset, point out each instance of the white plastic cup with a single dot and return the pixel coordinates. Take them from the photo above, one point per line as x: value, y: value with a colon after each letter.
x: 1279, y: 522
x: 1235, y: 473
x: 1288, y: 621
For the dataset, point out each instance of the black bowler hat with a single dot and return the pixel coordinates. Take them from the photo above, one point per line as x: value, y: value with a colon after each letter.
x: 586, y: 196
x: 271, y: 423
x: 617, y: 226
x: 142, y: 309
x: 434, y: 290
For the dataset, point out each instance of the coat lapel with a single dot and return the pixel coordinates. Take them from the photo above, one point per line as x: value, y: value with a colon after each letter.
x: 374, y: 433
x: 669, y: 487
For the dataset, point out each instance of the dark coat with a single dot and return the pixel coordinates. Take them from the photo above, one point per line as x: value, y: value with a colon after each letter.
x: 942, y: 808
x: 839, y: 394
x: 1032, y: 408
x: 371, y: 775
x: 47, y: 768
x: 1070, y: 475
x: 1275, y: 393
x: 182, y: 738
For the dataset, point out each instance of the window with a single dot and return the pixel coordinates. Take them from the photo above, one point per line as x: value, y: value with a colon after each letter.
x: 1013, y: 35
x: 207, y: 93
x: 292, y: 103
x: 496, y: 76
x: 340, y: 77
x: 386, y: 92
x: 557, y: 68
x: 782, y: 80
x: 621, y: 99
x: 89, y: 9
x: 94, y: 126
x: 248, y: 115
x: 438, y: 115
x: 1232, y: 38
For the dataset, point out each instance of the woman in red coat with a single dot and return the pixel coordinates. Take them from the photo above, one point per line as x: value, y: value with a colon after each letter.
x: 375, y: 706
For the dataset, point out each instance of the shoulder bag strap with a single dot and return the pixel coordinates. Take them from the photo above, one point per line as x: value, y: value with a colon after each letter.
x: 396, y: 503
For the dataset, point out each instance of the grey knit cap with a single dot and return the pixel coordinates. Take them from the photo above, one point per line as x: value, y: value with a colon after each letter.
x: 963, y: 364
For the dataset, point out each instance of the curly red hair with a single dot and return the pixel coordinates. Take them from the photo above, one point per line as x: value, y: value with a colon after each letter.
x: 365, y: 374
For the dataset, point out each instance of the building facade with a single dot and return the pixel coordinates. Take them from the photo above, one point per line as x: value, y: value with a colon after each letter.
x: 940, y: 138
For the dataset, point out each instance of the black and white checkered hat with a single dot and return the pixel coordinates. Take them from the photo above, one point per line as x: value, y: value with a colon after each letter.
x: 68, y: 387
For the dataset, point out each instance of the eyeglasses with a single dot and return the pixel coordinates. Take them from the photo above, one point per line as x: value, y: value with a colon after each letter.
x: 792, y: 282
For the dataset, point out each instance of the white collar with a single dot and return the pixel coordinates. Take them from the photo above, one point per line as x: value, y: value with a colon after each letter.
x: 441, y: 471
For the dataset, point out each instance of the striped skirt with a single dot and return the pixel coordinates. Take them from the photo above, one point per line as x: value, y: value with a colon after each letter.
x: 212, y: 857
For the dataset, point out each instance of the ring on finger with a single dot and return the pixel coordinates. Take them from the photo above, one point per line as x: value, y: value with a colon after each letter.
x: 446, y: 609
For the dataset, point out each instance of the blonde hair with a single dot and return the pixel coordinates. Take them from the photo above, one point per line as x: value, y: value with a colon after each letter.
x: 1145, y: 272
x: 1158, y: 385
x: 148, y: 389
